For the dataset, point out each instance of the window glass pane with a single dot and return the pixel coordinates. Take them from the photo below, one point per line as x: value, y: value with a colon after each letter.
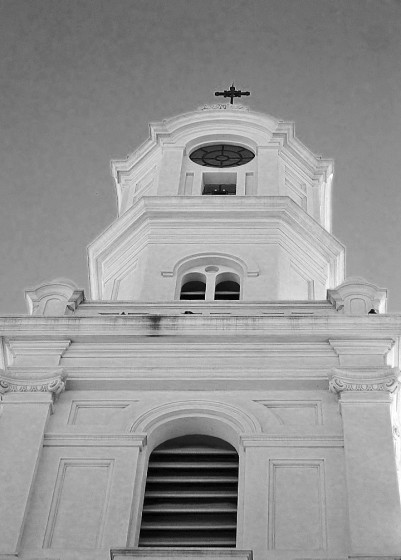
x: 222, y: 155
x: 227, y: 290
x: 193, y: 290
x: 219, y: 189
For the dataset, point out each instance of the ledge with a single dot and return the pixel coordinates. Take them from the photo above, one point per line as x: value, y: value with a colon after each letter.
x: 177, y: 553
x: 94, y: 440
x: 278, y: 440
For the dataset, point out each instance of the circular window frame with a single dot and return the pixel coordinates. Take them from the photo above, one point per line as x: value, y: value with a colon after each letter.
x: 221, y: 156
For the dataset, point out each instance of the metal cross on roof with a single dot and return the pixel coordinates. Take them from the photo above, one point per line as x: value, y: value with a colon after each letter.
x: 231, y: 93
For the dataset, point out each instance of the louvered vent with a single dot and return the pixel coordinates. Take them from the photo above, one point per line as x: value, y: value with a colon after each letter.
x: 191, y: 494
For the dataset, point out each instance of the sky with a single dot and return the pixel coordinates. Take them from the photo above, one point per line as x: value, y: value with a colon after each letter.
x: 81, y: 80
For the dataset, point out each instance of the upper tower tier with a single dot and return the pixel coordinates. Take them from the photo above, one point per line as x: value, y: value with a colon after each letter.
x: 271, y: 237
x: 281, y: 166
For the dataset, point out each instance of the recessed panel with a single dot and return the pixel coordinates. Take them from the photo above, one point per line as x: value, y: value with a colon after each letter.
x: 297, y: 506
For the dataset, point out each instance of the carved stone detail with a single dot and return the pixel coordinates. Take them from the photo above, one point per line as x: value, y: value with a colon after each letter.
x: 386, y: 380
x: 77, y: 297
x: 223, y: 106
x: 357, y: 296
x: 51, y: 298
x: 54, y: 385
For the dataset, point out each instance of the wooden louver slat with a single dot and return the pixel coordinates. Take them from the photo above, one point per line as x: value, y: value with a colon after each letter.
x: 191, y: 494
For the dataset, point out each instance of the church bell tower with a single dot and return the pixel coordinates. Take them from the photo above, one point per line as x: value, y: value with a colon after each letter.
x: 219, y: 195
x: 222, y: 392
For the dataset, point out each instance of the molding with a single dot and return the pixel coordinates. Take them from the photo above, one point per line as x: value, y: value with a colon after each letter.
x: 64, y: 466
x: 318, y: 466
x: 247, y: 268
x: 275, y: 405
x: 369, y: 557
x: 95, y: 440
x: 362, y: 352
x: 278, y: 440
x: 371, y: 346
x: 147, y: 379
x: 175, y: 349
x: 322, y: 326
x: 384, y: 380
x: 224, y: 107
x: 37, y: 352
x: 239, y: 420
x: 96, y: 404
x: 171, y: 552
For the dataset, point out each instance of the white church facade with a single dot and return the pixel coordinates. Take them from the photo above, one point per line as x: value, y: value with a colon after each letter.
x: 223, y: 391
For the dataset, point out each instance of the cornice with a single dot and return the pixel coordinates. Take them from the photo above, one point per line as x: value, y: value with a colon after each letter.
x: 122, y: 254
x: 316, y: 167
x: 354, y: 353
x: 178, y: 128
x: 171, y: 208
x: 248, y: 348
x: 376, y: 380
x: 156, y: 219
x: 321, y: 327
x: 36, y: 352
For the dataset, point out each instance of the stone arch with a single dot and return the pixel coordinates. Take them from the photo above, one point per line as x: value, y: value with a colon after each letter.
x: 184, y: 264
x: 180, y: 418
x: 244, y: 268
x: 244, y: 125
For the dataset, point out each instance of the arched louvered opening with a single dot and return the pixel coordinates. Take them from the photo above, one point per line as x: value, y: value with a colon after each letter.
x: 193, y: 286
x: 227, y: 287
x: 191, y: 494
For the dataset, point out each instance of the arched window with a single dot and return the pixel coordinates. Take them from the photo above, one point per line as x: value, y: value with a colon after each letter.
x: 227, y: 287
x: 191, y: 494
x: 193, y: 286
x: 210, y: 282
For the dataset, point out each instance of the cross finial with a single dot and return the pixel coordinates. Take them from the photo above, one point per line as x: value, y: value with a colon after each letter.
x: 231, y: 93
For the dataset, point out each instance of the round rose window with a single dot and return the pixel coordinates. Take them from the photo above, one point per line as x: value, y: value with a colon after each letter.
x: 222, y: 155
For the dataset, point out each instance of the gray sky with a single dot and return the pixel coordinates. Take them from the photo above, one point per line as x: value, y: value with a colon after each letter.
x: 80, y: 80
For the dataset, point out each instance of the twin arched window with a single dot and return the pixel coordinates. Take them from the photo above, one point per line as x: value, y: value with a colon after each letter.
x: 213, y: 285
x: 191, y: 494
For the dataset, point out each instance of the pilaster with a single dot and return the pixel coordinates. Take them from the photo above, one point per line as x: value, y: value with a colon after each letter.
x: 25, y: 408
x: 373, y: 494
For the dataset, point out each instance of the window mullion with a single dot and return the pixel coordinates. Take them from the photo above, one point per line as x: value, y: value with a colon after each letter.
x: 210, y: 286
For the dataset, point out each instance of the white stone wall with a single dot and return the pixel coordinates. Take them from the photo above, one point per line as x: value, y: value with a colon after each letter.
x: 318, y: 477
x: 92, y: 471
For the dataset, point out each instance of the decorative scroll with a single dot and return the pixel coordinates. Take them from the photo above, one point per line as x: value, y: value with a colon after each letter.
x: 384, y: 380
x: 223, y: 106
x: 54, y: 385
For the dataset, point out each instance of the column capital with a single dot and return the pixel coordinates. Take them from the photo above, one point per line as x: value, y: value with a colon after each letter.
x: 384, y: 380
x: 54, y: 384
